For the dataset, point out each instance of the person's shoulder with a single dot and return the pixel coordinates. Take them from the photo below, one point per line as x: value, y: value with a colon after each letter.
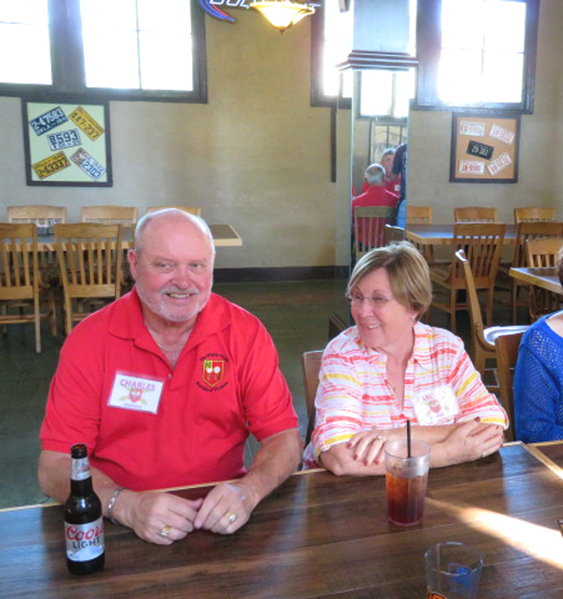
x: 436, y: 336
x: 222, y: 308
x: 343, y: 343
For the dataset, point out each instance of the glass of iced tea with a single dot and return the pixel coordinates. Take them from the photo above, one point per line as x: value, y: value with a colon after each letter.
x: 406, y: 481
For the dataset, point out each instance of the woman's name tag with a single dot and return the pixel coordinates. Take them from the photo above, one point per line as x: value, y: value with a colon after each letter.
x: 438, y: 406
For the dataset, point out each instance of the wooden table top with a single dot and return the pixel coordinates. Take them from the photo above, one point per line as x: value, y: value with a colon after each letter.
x: 319, y: 535
x: 546, y: 278
x: 223, y: 235
x: 444, y: 234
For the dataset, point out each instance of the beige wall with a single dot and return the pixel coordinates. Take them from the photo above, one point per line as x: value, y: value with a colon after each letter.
x: 540, y: 176
x: 256, y: 156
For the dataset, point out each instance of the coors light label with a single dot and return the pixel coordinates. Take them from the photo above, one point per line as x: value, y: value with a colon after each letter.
x: 84, y: 541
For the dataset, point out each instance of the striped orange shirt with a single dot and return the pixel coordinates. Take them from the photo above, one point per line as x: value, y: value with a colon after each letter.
x: 441, y: 387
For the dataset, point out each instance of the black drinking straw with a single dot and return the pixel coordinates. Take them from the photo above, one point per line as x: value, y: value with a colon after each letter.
x: 409, y: 438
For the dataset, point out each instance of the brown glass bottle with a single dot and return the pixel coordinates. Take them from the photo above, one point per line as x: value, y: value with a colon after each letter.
x: 84, y: 525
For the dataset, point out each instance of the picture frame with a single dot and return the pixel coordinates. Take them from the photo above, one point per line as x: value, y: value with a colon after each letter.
x: 67, y: 142
x: 485, y: 148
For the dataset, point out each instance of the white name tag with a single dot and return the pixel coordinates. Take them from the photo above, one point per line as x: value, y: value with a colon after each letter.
x: 438, y: 406
x: 135, y: 393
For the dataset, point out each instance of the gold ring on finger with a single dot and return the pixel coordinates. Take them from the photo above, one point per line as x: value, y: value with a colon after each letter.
x: 165, y: 532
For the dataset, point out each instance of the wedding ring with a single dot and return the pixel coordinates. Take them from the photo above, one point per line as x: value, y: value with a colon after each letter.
x: 380, y: 438
x: 232, y: 518
x: 165, y: 531
x: 482, y: 454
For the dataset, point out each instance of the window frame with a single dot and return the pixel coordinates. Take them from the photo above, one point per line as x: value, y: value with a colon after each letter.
x: 429, y: 45
x: 67, y: 63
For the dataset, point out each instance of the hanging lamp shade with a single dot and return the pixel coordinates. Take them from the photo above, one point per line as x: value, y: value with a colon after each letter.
x: 282, y: 14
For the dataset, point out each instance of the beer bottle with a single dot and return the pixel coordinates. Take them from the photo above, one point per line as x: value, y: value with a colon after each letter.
x: 84, y: 526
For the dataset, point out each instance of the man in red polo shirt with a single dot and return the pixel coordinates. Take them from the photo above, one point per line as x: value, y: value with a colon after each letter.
x: 164, y: 386
x: 376, y: 195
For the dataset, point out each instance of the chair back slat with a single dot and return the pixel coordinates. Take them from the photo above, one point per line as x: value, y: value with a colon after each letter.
x: 482, y: 244
x: 522, y: 215
x: 419, y: 215
x: 475, y: 214
x: 507, y: 347
x: 542, y: 253
x: 369, y: 227
x: 90, y: 257
x: 110, y: 215
x: 18, y: 261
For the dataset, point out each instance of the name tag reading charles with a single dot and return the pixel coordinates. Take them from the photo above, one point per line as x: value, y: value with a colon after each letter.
x: 135, y: 393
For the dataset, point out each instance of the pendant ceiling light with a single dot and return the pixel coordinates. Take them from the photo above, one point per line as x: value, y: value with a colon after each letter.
x: 282, y: 14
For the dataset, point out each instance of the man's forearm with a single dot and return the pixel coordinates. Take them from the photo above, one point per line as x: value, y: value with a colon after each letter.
x: 54, y: 478
x: 277, y: 458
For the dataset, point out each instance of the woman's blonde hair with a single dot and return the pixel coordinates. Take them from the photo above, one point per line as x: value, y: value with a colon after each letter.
x: 407, y: 270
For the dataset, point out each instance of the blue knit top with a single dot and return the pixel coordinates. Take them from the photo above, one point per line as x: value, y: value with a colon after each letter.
x: 538, y: 385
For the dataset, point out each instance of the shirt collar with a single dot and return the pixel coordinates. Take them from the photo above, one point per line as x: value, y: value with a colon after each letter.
x: 127, y: 320
x: 422, y: 351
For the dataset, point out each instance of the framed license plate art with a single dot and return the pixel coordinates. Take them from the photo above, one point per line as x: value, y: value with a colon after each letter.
x: 67, y: 143
x: 485, y: 148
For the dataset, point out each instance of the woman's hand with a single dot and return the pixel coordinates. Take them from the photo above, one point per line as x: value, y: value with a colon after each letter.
x: 473, y: 440
x: 367, y: 446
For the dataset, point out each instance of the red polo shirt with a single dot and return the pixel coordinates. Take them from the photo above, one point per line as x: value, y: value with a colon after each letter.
x: 193, y: 427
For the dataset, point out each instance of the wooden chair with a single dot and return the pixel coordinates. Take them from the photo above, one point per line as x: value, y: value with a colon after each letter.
x: 45, y: 217
x: 419, y: 215
x: 542, y: 253
x: 189, y: 209
x: 110, y: 215
x: 526, y: 215
x: 422, y: 215
x: 369, y: 226
x: 507, y: 347
x: 20, y: 280
x: 393, y: 233
x: 90, y: 261
x: 482, y: 243
x: 526, y: 230
x: 483, y: 340
x: 475, y: 215
x: 311, y: 361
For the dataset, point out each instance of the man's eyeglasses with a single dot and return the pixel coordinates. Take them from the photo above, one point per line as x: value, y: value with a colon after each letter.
x: 377, y: 301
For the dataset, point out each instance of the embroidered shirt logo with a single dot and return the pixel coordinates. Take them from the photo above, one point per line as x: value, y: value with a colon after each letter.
x: 213, y: 372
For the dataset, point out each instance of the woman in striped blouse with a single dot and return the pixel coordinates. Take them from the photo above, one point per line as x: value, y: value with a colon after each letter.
x: 391, y: 368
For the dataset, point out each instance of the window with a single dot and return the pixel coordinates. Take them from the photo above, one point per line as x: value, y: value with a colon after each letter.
x: 24, y: 42
x: 116, y: 49
x: 477, y: 54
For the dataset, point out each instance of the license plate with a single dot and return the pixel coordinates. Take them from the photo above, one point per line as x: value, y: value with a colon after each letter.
x: 88, y: 164
x: 64, y: 139
x: 51, y: 165
x: 48, y: 120
x: 86, y: 122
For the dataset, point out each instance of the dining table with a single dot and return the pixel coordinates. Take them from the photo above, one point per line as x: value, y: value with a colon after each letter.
x: 543, y: 277
x: 224, y: 235
x: 430, y: 234
x: 318, y: 535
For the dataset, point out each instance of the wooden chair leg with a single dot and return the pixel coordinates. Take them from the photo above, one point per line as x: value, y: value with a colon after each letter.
x: 514, y: 302
x: 52, y: 309
x: 453, y: 296
x: 68, y: 315
x: 37, y: 322
x: 490, y: 298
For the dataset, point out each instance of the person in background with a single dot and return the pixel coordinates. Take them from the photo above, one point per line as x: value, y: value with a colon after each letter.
x: 391, y: 184
x: 376, y: 195
x: 390, y: 368
x: 399, y: 173
x: 164, y: 386
x: 538, y: 380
